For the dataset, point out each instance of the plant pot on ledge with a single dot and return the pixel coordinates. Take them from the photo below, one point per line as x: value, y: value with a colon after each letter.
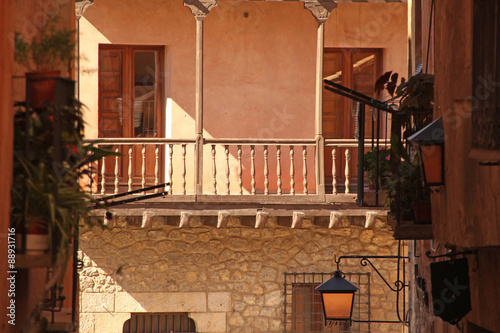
x: 423, y: 212
x: 41, y: 87
x: 35, y: 240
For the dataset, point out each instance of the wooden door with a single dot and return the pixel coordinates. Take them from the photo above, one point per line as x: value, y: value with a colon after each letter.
x: 130, y: 106
x: 356, y: 69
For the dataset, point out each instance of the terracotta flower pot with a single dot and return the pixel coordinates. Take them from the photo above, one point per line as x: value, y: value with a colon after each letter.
x: 37, y: 238
x: 42, y: 86
x: 423, y: 212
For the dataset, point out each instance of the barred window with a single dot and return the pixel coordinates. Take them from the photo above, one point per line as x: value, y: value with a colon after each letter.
x: 303, y: 308
x: 159, y: 323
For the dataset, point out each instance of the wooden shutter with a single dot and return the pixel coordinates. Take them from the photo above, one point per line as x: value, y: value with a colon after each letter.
x: 111, y: 93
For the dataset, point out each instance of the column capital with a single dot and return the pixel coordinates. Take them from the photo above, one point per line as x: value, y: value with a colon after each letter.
x: 200, y: 8
x: 81, y: 6
x: 320, y: 9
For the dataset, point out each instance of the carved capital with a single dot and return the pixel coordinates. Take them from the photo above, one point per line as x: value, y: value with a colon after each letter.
x: 200, y: 8
x: 81, y: 6
x: 320, y: 9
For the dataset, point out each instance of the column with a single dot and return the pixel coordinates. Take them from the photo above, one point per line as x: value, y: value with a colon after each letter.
x: 320, y: 9
x: 200, y: 10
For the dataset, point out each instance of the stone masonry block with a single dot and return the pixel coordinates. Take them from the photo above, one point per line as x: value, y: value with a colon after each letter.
x: 219, y: 301
x: 110, y: 323
x: 209, y: 322
x: 98, y: 302
x: 86, y: 322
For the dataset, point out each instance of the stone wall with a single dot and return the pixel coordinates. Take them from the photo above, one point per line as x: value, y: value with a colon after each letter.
x: 228, y: 279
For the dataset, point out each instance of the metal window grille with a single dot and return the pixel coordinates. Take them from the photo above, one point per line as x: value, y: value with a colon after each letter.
x: 159, y: 323
x: 303, y: 309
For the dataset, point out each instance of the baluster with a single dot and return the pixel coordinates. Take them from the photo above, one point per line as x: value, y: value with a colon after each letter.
x: 226, y: 151
x: 304, y: 167
x: 252, y: 167
x: 278, y: 167
x: 240, y: 170
x: 292, y: 172
x: 143, y: 167
x: 214, y: 170
x: 266, y: 172
x: 184, y: 168
x: 157, y: 167
x: 117, y: 169
x: 130, y: 152
x: 103, y: 176
x: 334, y: 171
x: 171, y: 167
x: 347, y: 159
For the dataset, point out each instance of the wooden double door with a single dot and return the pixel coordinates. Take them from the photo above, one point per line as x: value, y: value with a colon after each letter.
x: 131, y: 105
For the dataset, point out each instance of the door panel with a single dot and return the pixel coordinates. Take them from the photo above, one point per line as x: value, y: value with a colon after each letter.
x: 130, y: 105
x: 354, y: 69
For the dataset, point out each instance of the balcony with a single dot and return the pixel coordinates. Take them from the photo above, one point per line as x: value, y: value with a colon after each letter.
x: 279, y: 177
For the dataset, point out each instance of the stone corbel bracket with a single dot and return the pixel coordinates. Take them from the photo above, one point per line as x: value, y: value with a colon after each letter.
x: 185, y: 219
x: 200, y: 8
x: 261, y: 219
x: 335, y: 218
x: 320, y: 9
x: 370, y: 219
x: 222, y: 219
x: 297, y: 219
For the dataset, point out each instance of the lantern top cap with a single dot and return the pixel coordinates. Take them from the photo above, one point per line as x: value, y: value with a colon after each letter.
x: 337, y: 284
x: 432, y: 134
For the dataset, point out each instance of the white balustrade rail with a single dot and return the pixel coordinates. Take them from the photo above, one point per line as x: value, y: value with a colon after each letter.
x: 256, y: 166
x: 346, y: 148
x: 269, y: 167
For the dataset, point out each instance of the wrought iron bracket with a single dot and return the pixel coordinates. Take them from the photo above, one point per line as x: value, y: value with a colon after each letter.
x: 365, y: 260
x: 399, y: 285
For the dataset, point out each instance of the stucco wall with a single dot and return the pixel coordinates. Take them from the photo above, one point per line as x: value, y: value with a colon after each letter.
x: 233, y: 276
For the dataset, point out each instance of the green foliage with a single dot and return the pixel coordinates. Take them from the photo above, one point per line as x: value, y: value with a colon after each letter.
x: 50, y: 49
x: 404, y: 187
x: 403, y: 184
x: 384, y: 163
x: 49, y: 189
x: 415, y: 96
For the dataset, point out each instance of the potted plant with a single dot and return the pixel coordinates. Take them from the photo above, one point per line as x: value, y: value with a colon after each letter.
x: 406, y: 195
x: 370, y: 165
x: 44, y: 56
x: 48, y: 168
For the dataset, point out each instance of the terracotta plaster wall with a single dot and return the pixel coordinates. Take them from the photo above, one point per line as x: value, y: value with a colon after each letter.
x: 259, y: 58
x: 374, y: 25
x: 260, y: 70
x: 166, y: 23
x: 6, y: 149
